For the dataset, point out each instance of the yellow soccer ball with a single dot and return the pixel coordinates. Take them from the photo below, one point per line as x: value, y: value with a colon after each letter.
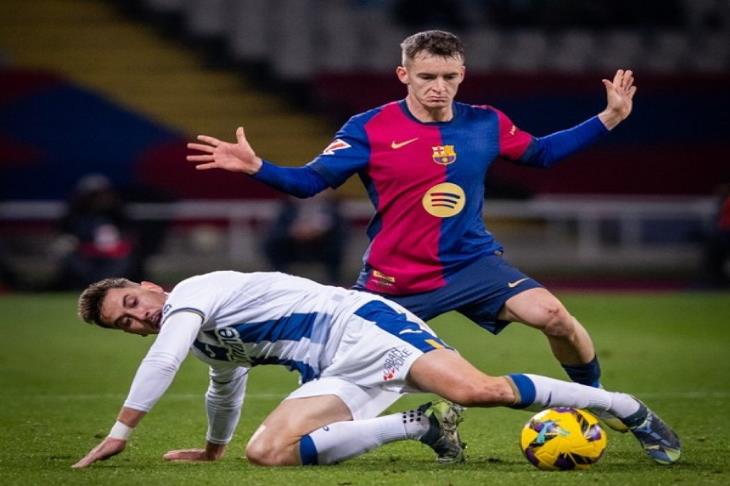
x: 563, y: 439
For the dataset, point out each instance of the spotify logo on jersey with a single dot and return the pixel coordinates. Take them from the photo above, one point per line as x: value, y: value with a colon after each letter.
x: 444, y: 200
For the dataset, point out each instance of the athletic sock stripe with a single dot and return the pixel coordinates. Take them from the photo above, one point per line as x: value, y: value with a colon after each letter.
x: 525, y: 390
x: 307, y: 451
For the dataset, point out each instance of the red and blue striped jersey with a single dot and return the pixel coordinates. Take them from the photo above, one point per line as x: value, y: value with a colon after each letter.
x: 426, y: 182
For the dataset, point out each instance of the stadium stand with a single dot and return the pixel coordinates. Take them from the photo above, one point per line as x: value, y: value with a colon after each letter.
x: 338, y: 56
x: 103, y: 58
x: 146, y: 75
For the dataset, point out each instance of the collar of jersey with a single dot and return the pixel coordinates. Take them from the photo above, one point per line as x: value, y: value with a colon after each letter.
x: 404, y: 107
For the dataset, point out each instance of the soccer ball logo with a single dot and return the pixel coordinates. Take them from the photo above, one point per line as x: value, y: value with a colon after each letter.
x: 562, y: 439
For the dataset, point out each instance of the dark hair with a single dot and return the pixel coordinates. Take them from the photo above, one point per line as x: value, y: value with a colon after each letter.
x: 435, y: 42
x: 92, y: 298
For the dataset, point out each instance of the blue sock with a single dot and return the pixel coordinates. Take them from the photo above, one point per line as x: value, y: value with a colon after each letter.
x: 307, y: 451
x: 586, y: 374
x: 525, y: 390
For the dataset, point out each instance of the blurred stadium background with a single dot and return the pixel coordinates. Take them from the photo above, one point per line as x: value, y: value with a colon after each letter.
x: 116, y: 88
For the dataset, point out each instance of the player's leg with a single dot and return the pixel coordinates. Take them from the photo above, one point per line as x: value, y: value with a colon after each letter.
x: 277, y: 440
x: 492, y: 293
x: 310, y: 429
x: 368, y: 372
x: 569, y: 340
x: 339, y: 441
x: 449, y: 375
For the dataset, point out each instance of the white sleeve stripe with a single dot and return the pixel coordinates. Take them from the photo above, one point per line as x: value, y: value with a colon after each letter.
x: 192, y: 310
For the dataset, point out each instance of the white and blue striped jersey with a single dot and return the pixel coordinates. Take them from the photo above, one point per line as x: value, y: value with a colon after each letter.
x: 234, y: 320
x: 265, y: 318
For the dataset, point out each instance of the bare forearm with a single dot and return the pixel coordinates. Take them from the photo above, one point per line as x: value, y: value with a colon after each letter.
x: 610, y: 118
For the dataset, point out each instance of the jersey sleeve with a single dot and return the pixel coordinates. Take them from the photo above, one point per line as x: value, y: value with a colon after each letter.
x: 223, y: 402
x: 521, y: 147
x: 513, y: 142
x: 549, y: 150
x: 201, y: 295
x: 301, y: 182
x: 162, y: 361
x: 346, y: 155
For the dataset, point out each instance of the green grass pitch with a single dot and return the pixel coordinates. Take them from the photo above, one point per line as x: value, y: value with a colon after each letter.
x: 62, y: 383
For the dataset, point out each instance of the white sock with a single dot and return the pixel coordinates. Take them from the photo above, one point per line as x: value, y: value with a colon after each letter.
x: 550, y: 392
x: 342, y: 440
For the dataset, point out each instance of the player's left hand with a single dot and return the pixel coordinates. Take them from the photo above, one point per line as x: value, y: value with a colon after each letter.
x: 619, y: 98
x: 107, y: 448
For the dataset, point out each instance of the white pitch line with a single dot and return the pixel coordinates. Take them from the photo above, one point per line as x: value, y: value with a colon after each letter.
x: 119, y: 396
x: 680, y: 395
x: 685, y: 395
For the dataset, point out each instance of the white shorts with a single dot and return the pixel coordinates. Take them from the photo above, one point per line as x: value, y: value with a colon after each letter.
x: 363, y: 402
x: 370, y: 367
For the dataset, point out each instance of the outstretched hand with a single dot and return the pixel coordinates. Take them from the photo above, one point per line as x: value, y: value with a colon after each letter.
x: 107, y: 448
x: 619, y: 98
x: 234, y: 157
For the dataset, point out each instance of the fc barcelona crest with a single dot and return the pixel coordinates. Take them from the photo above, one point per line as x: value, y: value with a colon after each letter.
x: 444, y: 154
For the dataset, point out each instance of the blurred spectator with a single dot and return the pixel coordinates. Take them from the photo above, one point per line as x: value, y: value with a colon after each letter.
x: 580, y: 13
x: 445, y: 14
x: 8, y: 278
x: 308, y: 230
x: 149, y: 233
x: 717, y: 245
x: 97, y: 239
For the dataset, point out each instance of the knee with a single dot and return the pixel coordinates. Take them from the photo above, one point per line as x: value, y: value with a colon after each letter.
x: 556, y: 321
x: 263, y: 451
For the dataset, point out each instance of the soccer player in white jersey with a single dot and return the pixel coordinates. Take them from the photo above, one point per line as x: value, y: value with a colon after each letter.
x: 357, y: 353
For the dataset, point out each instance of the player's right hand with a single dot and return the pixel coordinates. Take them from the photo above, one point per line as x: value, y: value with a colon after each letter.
x: 217, y: 154
x: 211, y: 452
x: 107, y: 448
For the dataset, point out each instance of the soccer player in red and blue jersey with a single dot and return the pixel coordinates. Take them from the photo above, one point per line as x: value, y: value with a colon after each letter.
x: 423, y: 161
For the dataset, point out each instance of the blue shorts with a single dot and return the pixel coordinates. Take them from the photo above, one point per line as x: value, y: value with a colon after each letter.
x: 478, y: 291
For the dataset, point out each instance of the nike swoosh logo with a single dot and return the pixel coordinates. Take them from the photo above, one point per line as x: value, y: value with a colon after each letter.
x: 410, y: 331
x: 516, y: 283
x: 396, y: 145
